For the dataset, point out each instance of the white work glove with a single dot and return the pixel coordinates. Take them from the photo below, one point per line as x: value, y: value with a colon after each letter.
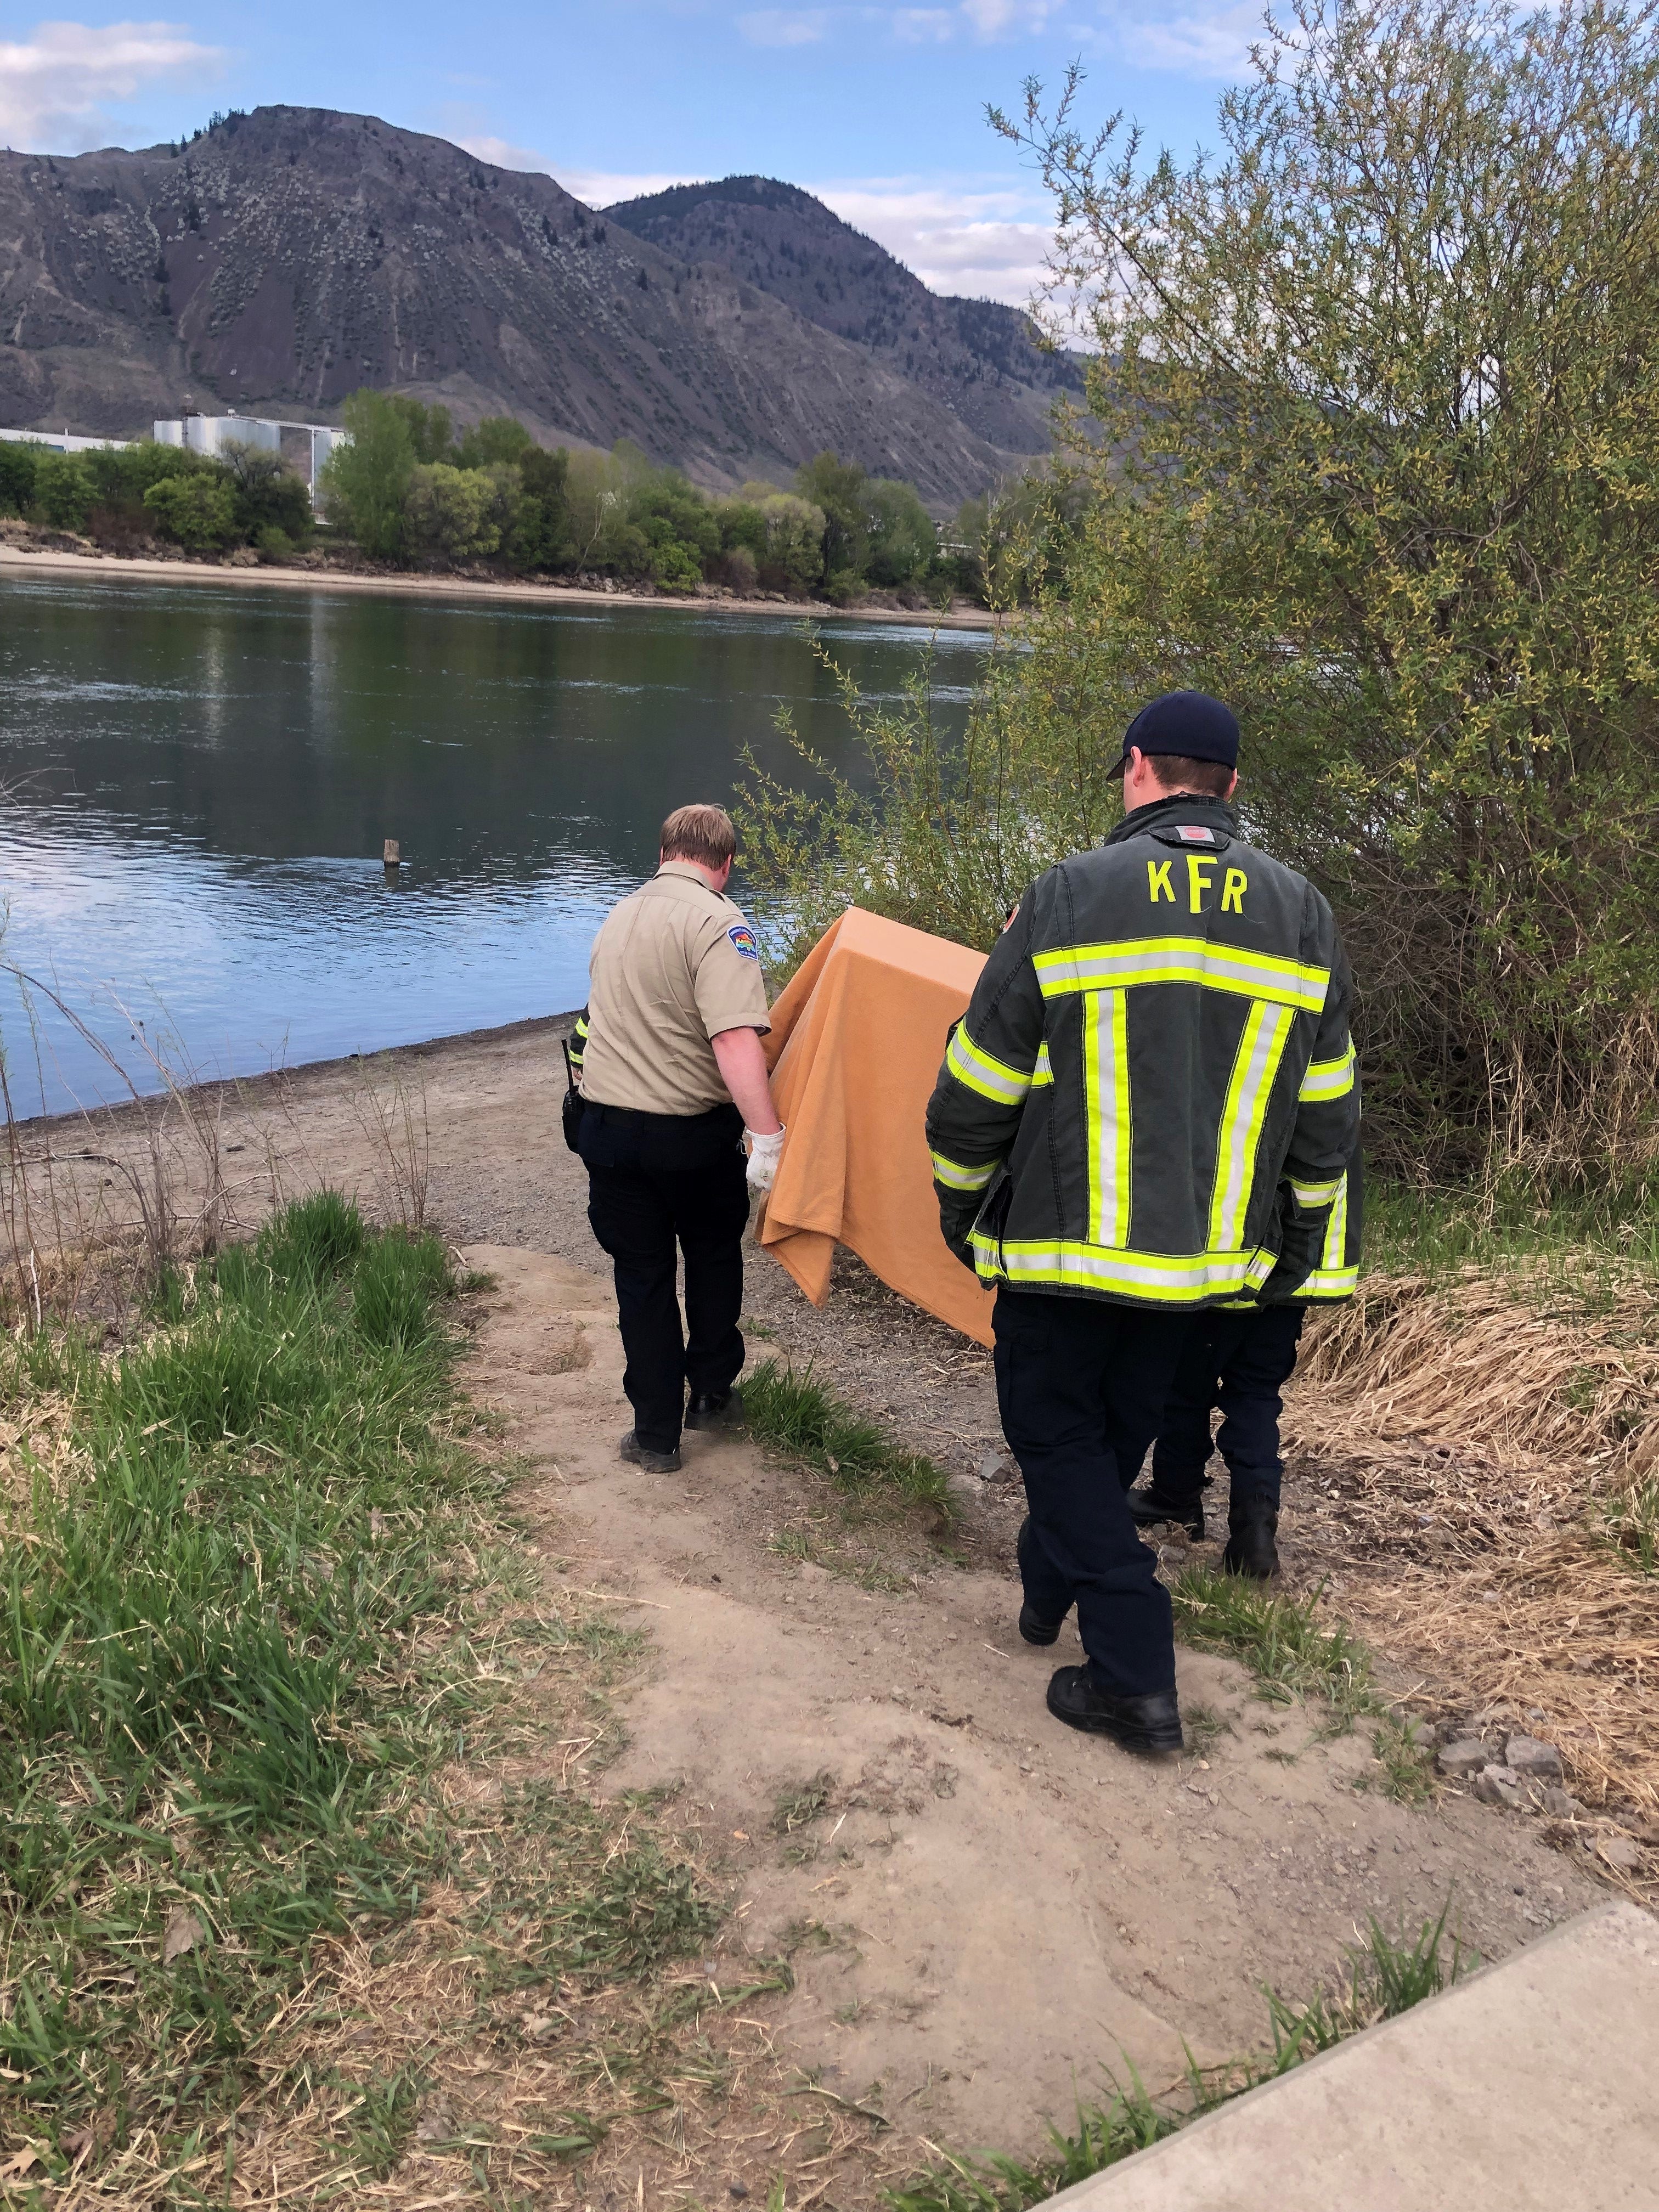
x: 763, y: 1155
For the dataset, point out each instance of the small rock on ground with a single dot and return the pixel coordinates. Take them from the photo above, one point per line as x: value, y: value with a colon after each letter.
x: 1467, y: 1756
x: 1529, y: 1754
x: 1501, y: 1785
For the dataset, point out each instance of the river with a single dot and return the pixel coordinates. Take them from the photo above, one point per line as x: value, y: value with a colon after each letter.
x: 198, y: 781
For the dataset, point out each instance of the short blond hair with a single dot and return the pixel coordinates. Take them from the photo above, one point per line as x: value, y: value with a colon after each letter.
x: 704, y: 834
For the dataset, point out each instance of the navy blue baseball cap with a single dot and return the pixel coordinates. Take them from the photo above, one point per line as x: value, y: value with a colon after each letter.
x: 1190, y: 723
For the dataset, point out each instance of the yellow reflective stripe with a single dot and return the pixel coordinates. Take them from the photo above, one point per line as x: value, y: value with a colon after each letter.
x: 992, y: 1078
x: 1316, y: 1195
x: 1154, y: 1277
x: 1135, y: 960
x: 1336, y: 1230
x: 1043, y: 1073
x: 1248, y: 1088
x: 1330, y: 1283
x: 955, y: 1176
x: 1328, y: 1078
x: 1107, y: 1129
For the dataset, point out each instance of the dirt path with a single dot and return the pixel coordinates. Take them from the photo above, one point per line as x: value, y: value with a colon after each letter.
x: 985, y: 1912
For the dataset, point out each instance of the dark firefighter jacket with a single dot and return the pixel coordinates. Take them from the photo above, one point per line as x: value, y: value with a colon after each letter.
x: 1158, y: 1040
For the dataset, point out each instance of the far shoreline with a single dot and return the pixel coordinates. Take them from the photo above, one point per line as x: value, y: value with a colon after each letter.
x: 16, y: 560
x: 269, y: 1083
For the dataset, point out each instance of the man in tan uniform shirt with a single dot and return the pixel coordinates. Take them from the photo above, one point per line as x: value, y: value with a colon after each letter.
x: 672, y: 1073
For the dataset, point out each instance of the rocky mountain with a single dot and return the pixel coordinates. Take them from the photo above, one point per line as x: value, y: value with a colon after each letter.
x: 287, y: 257
x: 977, y: 357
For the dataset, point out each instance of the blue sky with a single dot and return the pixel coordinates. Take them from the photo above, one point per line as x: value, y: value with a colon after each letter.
x: 878, y: 108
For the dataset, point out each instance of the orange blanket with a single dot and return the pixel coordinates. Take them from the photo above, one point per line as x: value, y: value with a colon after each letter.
x: 857, y: 1038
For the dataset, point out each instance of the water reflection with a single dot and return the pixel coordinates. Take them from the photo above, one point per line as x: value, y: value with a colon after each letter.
x: 203, y: 778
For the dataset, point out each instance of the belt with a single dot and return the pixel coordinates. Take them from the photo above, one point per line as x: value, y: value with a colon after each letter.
x: 627, y: 1117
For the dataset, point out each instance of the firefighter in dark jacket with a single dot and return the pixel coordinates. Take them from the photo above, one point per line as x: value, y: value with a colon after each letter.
x: 1157, y: 1040
x: 1239, y: 1358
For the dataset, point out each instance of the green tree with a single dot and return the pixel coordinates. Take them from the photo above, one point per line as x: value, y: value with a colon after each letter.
x: 1374, y: 454
x: 365, y: 483
x: 497, y: 438
x: 903, y: 543
x: 838, y: 488
x: 63, y: 488
x: 792, y: 559
x: 17, y: 475
x: 680, y: 527
x: 197, y: 511
x: 450, y: 513
x: 1377, y: 457
x: 269, y: 495
x: 543, y: 537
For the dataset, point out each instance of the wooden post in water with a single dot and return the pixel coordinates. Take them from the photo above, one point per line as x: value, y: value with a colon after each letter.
x: 392, y: 856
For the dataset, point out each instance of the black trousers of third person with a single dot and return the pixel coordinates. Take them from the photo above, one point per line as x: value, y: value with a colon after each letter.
x: 655, y: 1180
x: 1081, y: 1386
x: 1238, y: 1359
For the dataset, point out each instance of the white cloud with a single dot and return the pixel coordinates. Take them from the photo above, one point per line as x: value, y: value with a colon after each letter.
x: 998, y: 19
x: 785, y: 27
x: 1215, y: 44
x: 596, y: 187
x: 56, y: 85
x: 957, y: 238
x: 603, y: 187
x: 921, y: 26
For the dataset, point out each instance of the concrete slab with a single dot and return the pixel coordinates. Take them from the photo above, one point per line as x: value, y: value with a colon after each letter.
x: 1533, y: 2084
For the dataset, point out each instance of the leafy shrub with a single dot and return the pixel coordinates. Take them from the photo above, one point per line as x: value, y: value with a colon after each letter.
x: 63, y: 489
x: 448, y: 511
x: 195, y: 512
x: 16, y: 477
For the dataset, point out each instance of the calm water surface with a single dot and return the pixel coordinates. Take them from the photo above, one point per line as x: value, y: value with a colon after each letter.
x: 200, y: 781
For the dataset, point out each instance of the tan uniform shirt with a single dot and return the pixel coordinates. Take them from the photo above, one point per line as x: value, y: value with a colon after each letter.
x: 672, y: 966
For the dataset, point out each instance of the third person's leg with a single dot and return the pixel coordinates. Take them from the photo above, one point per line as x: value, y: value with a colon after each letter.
x: 1055, y: 1361
x: 1253, y: 1375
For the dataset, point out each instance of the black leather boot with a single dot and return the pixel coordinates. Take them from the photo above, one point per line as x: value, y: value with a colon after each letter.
x: 1151, y: 1507
x: 1151, y: 1723
x: 1032, y: 1626
x: 707, y: 1411
x: 1253, y: 1522
x: 639, y: 1454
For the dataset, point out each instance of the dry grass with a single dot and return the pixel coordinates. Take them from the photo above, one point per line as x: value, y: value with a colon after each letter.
x: 1542, y: 1361
x: 1469, y: 1443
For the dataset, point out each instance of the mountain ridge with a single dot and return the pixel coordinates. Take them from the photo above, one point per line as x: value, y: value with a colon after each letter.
x: 290, y: 255
x: 982, y: 358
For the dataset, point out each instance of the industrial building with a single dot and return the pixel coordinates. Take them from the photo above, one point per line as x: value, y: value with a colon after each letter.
x: 60, y: 441
x: 213, y: 433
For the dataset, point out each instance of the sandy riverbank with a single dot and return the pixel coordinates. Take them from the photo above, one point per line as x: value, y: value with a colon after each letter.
x: 17, y: 560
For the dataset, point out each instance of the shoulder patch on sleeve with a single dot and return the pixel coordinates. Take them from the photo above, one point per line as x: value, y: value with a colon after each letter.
x: 744, y: 938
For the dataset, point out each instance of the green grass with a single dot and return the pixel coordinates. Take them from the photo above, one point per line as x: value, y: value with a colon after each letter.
x: 242, y: 1604
x: 793, y: 1413
x: 1280, y: 1639
x: 1382, y: 1978
x: 798, y: 1804
x: 1291, y: 1655
x: 1438, y: 1232
x: 1630, y: 1521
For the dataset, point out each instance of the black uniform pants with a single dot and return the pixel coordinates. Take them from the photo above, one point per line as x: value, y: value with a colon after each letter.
x: 1081, y: 1386
x: 654, y: 1181
x: 1239, y: 1361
